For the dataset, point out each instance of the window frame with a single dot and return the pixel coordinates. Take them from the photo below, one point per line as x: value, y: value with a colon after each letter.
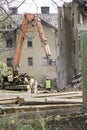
x: 30, y: 61
x: 29, y: 43
x: 9, y: 62
x: 44, y: 61
x: 9, y: 43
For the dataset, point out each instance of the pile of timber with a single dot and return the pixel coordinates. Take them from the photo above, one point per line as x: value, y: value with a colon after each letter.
x: 62, y: 102
x: 20, y: 79
x: 19, y: 83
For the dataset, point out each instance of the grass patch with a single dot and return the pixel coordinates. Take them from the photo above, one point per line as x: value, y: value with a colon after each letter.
x: 14, y: 123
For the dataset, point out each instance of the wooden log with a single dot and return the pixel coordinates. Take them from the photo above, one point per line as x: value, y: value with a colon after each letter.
x: 64, y: 96
x: 52, y: 101
x: 58, y: 94
x: 17, y: 87
x: 11, y: 101
x: 63, y: 108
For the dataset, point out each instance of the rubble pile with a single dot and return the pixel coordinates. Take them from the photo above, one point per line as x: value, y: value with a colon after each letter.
x: 76, y: 84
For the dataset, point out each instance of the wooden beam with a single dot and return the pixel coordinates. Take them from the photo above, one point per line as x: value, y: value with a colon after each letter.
x: 65, y: 108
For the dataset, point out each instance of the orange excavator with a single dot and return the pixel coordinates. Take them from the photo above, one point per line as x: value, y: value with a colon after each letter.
x: 13, y: 76
x: 30, y: 18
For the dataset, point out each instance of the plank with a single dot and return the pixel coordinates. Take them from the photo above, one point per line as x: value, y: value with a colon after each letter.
x: 52, y: 101
x: 17, y: 87
x: 58, y: 94
x: 61, y: 108
x: 17, y: 100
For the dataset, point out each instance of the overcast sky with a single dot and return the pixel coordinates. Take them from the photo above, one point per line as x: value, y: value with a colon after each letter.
x: 33, y: 6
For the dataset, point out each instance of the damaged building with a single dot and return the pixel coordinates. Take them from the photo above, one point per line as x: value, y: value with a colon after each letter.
x: 71, y: 20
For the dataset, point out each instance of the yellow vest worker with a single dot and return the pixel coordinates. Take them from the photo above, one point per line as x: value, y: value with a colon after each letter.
x: 48, y: 84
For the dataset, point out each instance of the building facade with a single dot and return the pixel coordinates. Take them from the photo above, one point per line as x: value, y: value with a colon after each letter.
x: 33, y: 60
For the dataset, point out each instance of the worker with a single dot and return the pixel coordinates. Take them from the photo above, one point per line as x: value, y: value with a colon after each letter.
x: 48, y: 84
x: 35, y: 87
x: 33, y: 84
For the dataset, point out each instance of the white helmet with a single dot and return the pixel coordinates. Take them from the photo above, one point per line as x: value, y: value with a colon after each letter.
x: 47, y: 77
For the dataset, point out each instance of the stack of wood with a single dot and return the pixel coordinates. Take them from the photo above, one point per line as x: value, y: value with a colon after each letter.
x: 21, y: 79
x: 19, y: 82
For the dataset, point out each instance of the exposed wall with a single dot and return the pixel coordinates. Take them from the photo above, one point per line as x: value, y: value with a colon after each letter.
x: 61, y: 58
x: 68, y: 57
x: 68, y: 42
x: 76, y: 41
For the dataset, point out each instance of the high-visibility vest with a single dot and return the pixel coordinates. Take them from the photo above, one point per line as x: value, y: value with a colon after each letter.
x: 48, y: 84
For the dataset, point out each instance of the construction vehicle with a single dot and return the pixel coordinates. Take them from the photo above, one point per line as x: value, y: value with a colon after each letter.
x: 13, y: 77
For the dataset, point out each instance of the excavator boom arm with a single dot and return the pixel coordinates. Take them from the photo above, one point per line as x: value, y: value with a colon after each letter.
x: 29, y: 18
x: 42, y: 37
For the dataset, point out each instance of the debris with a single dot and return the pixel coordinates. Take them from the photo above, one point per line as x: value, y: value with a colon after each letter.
x: 76, y: 79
